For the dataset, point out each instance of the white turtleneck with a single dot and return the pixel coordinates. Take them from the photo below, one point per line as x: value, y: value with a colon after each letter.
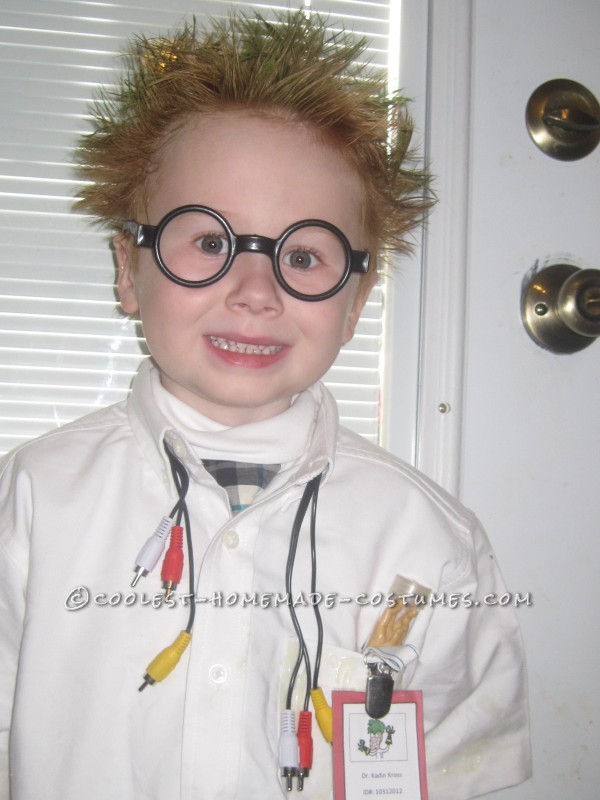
x: 281, y: 439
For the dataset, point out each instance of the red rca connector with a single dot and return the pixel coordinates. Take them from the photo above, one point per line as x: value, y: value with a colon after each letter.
x: 305, y: 747
x: 172, y: 566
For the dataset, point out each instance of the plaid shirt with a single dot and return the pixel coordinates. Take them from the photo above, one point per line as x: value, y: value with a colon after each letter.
x: 242, y: 482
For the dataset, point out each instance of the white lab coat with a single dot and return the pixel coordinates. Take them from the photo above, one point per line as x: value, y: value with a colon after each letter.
x: 75, y: 507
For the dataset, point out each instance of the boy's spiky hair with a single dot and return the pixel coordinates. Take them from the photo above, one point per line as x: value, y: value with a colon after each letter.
x: 294, y: 68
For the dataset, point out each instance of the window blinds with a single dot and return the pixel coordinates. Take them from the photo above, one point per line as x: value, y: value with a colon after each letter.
x: 64, y: 347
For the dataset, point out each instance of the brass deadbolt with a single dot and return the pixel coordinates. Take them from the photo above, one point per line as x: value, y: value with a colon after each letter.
x: 563, y: 119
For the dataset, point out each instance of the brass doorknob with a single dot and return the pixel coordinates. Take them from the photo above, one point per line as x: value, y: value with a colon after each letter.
x: 560, y: 307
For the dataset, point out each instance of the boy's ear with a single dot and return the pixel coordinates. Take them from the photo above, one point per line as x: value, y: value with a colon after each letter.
x: 125, y: 278
x: 362, y: 294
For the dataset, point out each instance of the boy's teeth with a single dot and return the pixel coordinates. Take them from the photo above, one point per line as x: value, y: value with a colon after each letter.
x: 243, y: 347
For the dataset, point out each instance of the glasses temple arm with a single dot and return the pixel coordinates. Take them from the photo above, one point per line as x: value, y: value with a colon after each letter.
x: 143, y: 235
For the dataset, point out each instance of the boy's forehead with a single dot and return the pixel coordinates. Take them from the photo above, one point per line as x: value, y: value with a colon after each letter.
x: 243, y: 132
x: 229, y: 159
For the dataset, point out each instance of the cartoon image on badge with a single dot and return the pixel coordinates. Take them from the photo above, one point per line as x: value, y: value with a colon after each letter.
x: 375, y: 729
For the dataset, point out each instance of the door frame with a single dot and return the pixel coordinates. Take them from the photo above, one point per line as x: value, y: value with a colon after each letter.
x: 435, y: 73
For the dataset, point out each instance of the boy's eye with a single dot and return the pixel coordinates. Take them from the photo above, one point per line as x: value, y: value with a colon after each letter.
x: 300, y: 259
x: 213, y: 244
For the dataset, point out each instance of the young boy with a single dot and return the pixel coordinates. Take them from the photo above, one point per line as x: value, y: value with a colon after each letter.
x: 250, y: 174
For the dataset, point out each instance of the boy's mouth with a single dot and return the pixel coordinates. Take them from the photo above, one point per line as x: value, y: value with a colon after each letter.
x: 245, y: 347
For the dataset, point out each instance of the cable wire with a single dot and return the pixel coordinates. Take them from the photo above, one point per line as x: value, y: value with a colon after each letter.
x: 181, y: 479
x: 313, y: 583
x: 310, y: 491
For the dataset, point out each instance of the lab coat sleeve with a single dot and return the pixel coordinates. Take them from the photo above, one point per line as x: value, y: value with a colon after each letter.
x: 15, y: 511
x: 472, y: 674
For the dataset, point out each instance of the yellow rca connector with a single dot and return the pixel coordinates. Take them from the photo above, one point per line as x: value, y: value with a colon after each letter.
x: 323, y: 713
x: 166, y: 661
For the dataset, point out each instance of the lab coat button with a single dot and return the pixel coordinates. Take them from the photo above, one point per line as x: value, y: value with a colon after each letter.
x: 231, y: 540
x: 217, y: 673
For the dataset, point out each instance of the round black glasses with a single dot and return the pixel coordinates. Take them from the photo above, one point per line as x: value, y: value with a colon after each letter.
x: 195, y: 246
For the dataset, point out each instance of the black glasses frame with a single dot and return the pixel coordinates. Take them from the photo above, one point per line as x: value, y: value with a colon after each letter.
x: 357, y: 261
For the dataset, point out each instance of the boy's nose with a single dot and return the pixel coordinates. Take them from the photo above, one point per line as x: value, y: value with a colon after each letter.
x: 253, y: 285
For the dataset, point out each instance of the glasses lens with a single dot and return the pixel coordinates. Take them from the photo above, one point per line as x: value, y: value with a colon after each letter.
x: 194, y: 246
x: 312, y: 260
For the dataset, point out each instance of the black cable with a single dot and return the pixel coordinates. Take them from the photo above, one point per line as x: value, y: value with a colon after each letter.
x: 190, y: 549
x: 182, y: 482
x: 295, y: 533
x: 313, y: 583
x: 181, y: 479
x: 310, y: 490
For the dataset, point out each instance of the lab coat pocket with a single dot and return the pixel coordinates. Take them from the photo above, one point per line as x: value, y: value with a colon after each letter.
x: 339, y: 669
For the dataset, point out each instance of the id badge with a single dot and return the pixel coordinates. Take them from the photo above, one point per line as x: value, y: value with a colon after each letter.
x: 378, y: 758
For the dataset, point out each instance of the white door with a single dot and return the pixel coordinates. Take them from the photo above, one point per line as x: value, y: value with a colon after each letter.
x: 520, y: 434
